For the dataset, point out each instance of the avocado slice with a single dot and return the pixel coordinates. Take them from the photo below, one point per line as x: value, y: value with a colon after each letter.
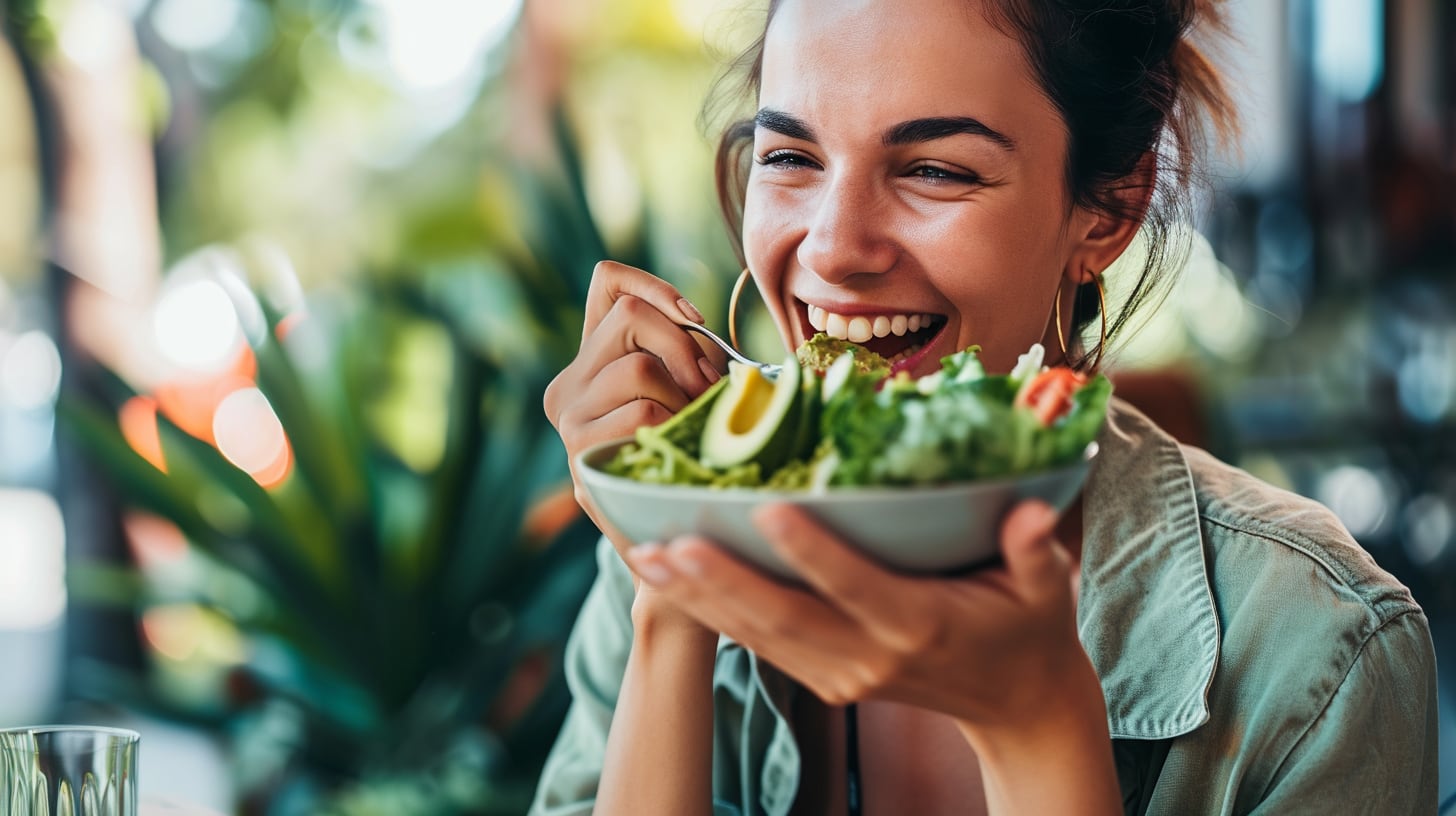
x: 755, y: 420
x: 811, y: 405
x: 685, y: 428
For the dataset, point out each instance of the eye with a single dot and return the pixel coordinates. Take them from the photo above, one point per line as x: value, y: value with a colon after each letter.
x: 937, y: 173
x: 786, y: 158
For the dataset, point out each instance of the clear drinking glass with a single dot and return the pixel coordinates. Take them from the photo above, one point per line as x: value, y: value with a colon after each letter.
x: 68, y: 770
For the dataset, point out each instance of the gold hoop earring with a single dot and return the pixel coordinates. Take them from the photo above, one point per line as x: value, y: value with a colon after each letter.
x: 733, y: 307
x: 1101, y: 311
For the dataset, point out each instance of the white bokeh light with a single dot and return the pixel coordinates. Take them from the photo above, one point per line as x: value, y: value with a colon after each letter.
x: 190, y: 25
x: 1430, y: 526
x: 94, y: 36
x: 430, y: 43
x: 30, y: 372
x: 1359, y: 497
x: 32, y: 560
x: 196, y: 325
x: 1348, y: 47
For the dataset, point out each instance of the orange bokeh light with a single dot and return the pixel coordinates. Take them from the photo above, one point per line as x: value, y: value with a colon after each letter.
x: 190, y: 403
x: 172, y: 631
x: 138, y: 421
x: 154, y: 541
x: 248, y: 433
x: 225, y: 410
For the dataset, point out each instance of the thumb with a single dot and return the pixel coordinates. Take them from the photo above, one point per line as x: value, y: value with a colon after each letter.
x: 1036, y: 562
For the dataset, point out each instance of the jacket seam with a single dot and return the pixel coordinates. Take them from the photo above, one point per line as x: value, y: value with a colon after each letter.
x: 1329, y: 701
x: 1303, y: 546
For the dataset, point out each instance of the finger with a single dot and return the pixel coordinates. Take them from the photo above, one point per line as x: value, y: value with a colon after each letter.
x: 1034, y: 560
x: 635, y: 325
x: 622, y: 421
x: 852, y: 582
x: 639, y: 375
x: 611, y: 281
x: 764, y: 615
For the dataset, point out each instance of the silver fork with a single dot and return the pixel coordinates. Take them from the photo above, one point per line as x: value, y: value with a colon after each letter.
x: 768, y: 370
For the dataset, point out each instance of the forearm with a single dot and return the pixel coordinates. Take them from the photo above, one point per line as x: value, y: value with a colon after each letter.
x: 1059, y: 763
x: 659, y: 756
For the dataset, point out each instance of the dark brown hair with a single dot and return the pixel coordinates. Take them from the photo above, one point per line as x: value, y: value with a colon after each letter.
x: 1132, y: 88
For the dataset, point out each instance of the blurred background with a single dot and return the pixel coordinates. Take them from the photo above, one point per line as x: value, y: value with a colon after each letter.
x: 282, y: 283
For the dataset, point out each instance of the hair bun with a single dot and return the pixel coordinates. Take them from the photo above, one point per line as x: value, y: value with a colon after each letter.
x: 1205, y: 98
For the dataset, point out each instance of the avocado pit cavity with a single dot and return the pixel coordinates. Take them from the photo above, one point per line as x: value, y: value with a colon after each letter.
x: 761, y: 421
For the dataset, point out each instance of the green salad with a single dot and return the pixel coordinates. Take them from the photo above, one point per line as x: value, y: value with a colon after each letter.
x: 834, y: 417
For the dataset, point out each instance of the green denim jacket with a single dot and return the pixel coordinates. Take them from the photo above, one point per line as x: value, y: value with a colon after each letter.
x: 1253, y: 658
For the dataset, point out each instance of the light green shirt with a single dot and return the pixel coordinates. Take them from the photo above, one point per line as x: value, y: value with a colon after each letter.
x: 1253, y: 658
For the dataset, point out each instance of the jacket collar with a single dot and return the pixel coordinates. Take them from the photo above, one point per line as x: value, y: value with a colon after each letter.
x: 1145, y: 612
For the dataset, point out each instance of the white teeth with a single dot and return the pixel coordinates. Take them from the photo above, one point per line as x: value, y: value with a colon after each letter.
x: 862, y: 328
x: 906, y: 354
x: 837, y: 326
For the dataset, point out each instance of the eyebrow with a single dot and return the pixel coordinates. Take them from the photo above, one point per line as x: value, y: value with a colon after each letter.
x: 913, y: 131
x: 939, y: 127
x: 784, y: 124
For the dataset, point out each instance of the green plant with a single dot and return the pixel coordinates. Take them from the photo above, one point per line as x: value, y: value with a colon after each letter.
x: 412, y: 614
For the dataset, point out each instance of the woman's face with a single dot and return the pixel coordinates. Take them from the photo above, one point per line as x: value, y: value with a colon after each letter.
x: 907, y: 164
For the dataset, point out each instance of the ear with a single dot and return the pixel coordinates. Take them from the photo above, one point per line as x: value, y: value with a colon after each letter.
x: 1104, y: 236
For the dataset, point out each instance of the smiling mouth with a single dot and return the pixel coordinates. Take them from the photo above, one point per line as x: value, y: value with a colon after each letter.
x: 895, y: 336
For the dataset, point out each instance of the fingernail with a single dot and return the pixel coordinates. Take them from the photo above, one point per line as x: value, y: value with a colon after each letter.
x: 690, y: 310
x: 771, y: 522
x: 646, y: 561
x: 1043, y: 516
x: 684, y: 561
x: 708, y: 370
x: 655, y: 573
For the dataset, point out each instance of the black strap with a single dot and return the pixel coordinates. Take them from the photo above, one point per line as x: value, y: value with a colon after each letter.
x: 851, y: 722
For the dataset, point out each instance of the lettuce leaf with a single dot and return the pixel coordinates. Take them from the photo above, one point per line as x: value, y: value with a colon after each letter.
x: 958, y: 424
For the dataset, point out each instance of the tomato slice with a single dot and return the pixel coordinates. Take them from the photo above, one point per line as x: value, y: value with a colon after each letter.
x: 1049, y: 394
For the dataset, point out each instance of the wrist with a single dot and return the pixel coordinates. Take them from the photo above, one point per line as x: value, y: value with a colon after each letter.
x: 1042, y: 711
x: 1065, y: 738
x: 656, y: 619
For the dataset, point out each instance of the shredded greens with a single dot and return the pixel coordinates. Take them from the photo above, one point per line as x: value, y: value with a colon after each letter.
x: 821, y: 350
x: 958, y: 424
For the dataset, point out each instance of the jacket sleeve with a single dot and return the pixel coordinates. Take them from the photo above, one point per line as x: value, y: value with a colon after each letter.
x: 1373, y: 748
x: 596, y: 659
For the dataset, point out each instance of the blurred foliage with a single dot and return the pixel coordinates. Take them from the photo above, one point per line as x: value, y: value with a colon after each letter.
x: 302, y: 128
x: 384, y: 626
x: 407, y: 599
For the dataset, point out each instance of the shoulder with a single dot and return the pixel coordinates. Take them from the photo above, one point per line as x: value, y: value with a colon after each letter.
x: 1258, y: 534
x: 1209, y: 594
x: 1325, y: 667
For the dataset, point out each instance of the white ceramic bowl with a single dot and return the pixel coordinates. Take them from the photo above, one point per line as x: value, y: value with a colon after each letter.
x: 925, y: 530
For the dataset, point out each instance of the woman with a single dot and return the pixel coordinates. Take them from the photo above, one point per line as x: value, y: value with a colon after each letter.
x: 1184, y: 640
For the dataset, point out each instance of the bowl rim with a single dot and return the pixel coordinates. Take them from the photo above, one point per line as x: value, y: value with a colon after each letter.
x: 592, y: 472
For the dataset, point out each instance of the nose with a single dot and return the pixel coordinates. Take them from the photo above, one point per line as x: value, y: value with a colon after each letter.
x: 850, y: 234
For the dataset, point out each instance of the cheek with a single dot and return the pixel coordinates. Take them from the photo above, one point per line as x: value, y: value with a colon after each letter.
x: 765, y: 244
x: 767, y: 223
x: 1003, y: 281
x: 755, y: 233
x: 1002, y: 311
